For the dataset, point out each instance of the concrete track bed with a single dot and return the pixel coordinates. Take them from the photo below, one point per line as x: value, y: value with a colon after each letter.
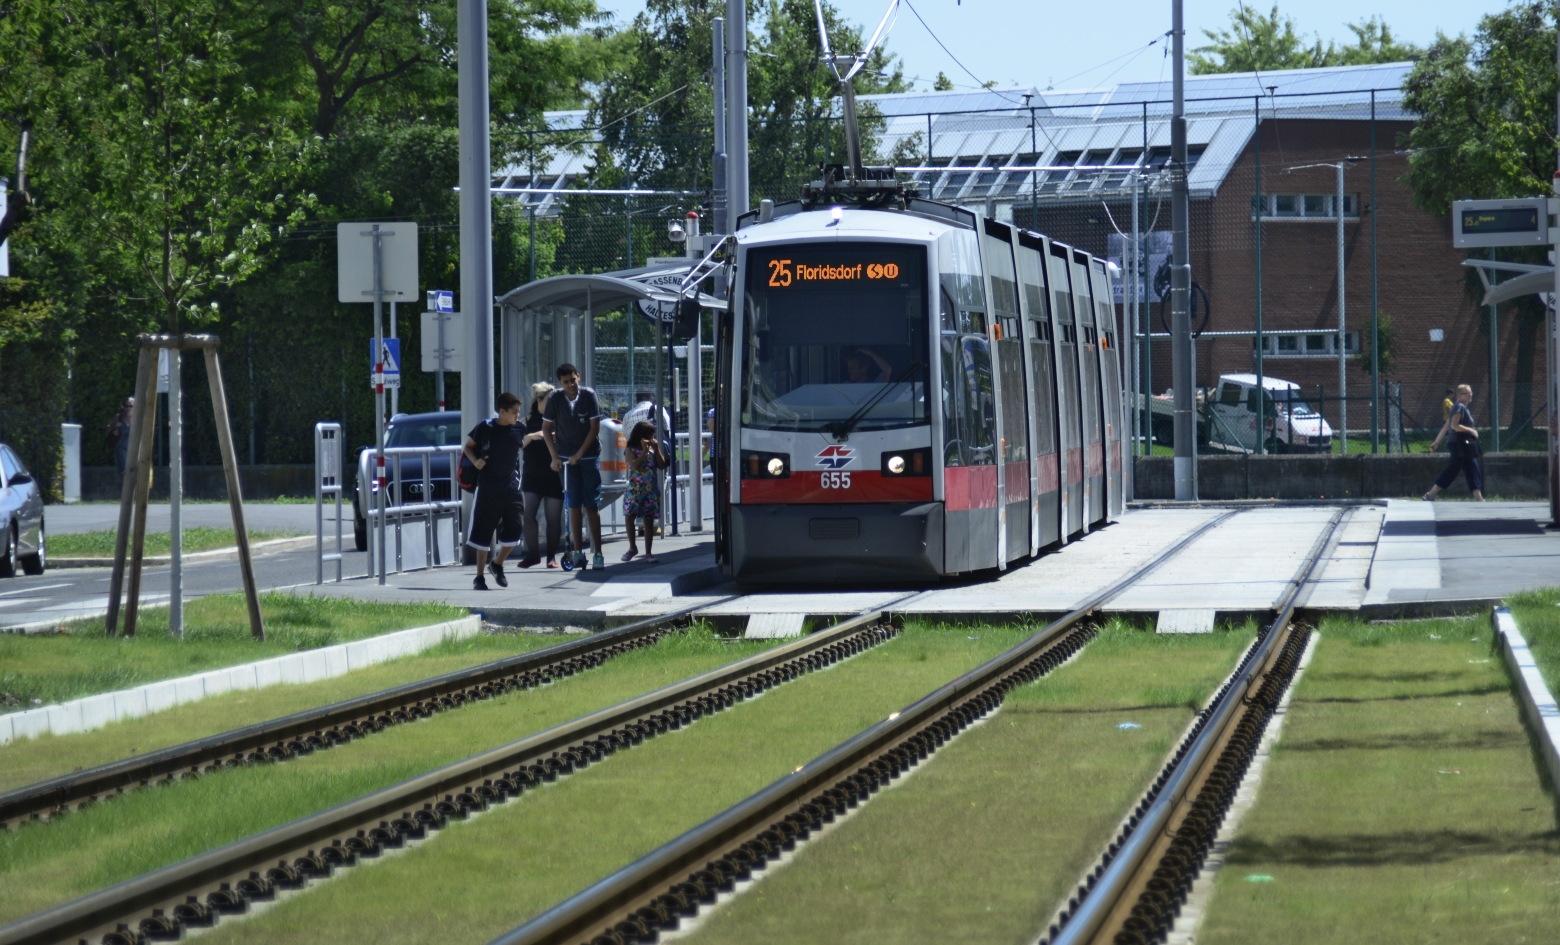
x: 478, y: 879
x: 1402, y: 802
x: 42, y: 865
x: 982, y: 842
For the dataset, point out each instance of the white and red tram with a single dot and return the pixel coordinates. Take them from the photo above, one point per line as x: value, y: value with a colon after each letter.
x: 910, y: 392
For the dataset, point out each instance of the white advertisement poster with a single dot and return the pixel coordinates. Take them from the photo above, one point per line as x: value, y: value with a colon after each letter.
x: 1156, y: 244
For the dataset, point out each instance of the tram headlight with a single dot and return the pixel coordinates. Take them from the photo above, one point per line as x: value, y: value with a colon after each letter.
x: 903, y: 463
x: 757, y: 464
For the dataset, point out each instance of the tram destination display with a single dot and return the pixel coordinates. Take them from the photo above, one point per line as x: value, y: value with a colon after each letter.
x: 1486, y: 223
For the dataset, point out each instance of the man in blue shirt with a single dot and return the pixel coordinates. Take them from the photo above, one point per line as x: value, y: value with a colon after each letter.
x: 493, y: 446
x: 571, y: 425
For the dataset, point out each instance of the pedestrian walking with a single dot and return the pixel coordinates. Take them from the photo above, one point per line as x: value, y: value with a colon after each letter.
x: 571, y: 427
x: 119, y: 434
x: 1463, y: 446
x: 644, y: 456
x: 493, y: 446
x: 540, y: 486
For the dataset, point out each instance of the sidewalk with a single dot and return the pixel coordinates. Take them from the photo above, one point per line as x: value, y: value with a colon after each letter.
x: 541, y: 597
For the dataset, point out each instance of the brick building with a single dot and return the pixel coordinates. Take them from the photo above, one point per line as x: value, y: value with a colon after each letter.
x: 1080, y: 159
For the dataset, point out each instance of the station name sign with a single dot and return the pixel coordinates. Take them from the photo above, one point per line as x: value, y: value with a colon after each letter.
x: 1485, y: 223
x: 787, y: 272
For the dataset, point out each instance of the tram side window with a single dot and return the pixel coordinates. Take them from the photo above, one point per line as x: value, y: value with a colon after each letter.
x: 968, y: 395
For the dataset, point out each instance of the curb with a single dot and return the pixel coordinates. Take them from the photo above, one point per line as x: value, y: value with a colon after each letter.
x: 93, y: 712
x: 1538, y: 705
x: 215, y: 554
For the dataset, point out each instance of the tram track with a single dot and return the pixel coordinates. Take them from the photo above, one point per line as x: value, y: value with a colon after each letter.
x: 1134, y: 891
x: 324, y: 727
x: 165, y: 903
x: 672, y: 883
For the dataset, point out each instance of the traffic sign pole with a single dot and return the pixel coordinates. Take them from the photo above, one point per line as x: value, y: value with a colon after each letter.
x: 378, y: 236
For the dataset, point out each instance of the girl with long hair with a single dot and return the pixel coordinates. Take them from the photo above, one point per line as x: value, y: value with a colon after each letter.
x: 644, y: 456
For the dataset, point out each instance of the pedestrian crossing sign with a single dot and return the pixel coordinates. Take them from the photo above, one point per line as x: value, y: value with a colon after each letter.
x: 385, y: 365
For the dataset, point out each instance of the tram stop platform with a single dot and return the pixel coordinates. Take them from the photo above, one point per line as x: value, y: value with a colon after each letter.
x: 1391, y: 558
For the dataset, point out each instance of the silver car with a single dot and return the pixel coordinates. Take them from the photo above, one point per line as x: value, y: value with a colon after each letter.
x: 22, y: 505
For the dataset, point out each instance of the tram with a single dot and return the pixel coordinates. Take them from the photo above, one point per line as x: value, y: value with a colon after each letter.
x: 907, y: 390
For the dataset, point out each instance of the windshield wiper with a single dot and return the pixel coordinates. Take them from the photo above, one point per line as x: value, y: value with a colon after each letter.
x: 841, y: 429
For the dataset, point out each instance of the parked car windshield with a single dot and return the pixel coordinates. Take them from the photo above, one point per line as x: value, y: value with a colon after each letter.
x: 427, y: 432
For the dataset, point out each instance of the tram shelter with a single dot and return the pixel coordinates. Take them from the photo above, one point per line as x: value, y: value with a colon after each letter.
x: 547, y: 322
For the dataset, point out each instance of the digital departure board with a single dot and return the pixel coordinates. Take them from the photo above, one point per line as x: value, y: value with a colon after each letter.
x: 1483, y: 223
x: 784, y: 273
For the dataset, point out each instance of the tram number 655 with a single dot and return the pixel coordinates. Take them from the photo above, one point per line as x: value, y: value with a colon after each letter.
x: 836, y: 480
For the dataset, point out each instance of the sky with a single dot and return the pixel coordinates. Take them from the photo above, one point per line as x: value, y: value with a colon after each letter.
x: 1081, y: 46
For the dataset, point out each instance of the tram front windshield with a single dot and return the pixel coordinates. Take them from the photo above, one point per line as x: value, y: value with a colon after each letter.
x: 836, y: 338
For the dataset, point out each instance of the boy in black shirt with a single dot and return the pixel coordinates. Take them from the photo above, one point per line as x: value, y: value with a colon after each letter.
x: 493, y: 446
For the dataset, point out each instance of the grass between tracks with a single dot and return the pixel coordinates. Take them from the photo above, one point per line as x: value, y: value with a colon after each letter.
x: 1403, y: 802
x: 26, y: 761
x: 481, y: 878
x: 42, y: 669
x: 43, y: 865
x: 100, y: 544
x: 982, y: 843
x: 1538, y: 615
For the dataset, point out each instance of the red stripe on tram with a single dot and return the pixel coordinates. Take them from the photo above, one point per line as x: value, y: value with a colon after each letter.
x: 969, y: 487
x: 1050, y: 473
x: 1017, y: 482
x: 866, y: 485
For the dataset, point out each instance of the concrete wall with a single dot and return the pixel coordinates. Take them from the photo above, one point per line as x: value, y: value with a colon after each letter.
x: 1506, y: 475
x: 103, y: 483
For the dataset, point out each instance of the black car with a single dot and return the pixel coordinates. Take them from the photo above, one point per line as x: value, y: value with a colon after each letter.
x: 407, y: 429
x: 22, y: 504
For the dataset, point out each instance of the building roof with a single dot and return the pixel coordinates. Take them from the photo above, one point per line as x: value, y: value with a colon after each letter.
x: 1025, y: 144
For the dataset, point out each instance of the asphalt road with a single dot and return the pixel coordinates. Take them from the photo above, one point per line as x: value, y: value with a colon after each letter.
x: 259, y: 516
x: 71, y: 593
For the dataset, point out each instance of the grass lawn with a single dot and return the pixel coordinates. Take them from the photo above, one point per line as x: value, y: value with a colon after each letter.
x: 100, y: 544
x: 40, y: 669
x: 1538, y: 616
x: 486, y: 876
x: 35, y: 759
x: 1403, y: 802
x: 42, y: 865
x: 983, y: 842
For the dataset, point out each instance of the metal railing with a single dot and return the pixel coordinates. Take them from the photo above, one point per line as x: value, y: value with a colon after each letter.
x: 397, y: 510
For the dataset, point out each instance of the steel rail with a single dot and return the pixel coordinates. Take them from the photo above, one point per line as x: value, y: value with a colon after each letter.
x: 162, y: 904
x: 1099, y: 910
x: 327, y: 726
x: 652, y: 894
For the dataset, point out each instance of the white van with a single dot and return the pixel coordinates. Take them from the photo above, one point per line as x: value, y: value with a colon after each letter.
x: 1292, y: 426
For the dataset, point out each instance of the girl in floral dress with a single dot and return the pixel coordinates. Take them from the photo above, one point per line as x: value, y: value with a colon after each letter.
x: 644, y: 456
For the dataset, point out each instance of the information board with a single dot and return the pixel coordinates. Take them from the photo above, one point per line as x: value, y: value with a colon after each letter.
x: 1484, y: 223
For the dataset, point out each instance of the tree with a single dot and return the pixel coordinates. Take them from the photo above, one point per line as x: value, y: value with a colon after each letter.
x: 1258, y: 43
x: 401, y: 54
x: 655, y: 112
x: 1486, y: 129
x: 942, y: 83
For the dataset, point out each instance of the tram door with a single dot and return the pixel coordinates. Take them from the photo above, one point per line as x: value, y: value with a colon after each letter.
x: 1014, y: 437
x: 1089, y: 380
x: 720, y: 451
x: 1030, y: 256
x: 969, y: 407
x: 1110, y: 374
x: 1071, y: 433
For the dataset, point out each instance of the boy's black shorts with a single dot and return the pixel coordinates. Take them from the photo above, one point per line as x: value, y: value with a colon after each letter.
x: 495, y: 510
